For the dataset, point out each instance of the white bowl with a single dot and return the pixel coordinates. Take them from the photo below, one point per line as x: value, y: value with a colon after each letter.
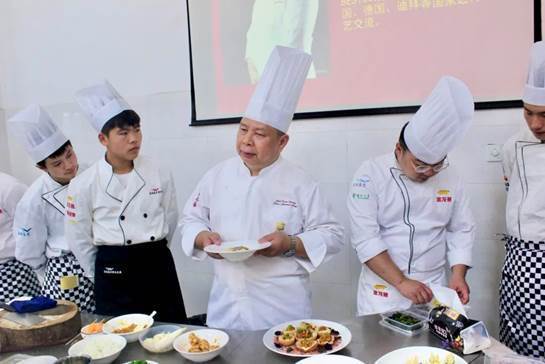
x: 103, y: 349
x: 181, y: 344
x: 158, y: 330
x: 133, y: 318
x: 237, y: 255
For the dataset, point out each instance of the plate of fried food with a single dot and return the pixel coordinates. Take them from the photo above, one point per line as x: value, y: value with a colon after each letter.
x: 201, y: 345
x: 237, y: 251
x: 307, y: 338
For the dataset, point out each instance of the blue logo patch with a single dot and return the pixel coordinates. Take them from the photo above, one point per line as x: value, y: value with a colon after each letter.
x: 361, y: 181
x: 24, y: 231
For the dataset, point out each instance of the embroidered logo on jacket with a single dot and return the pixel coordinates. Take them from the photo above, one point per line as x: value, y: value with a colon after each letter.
x: 380, y: 290
x: 443, y: 196
x: 285, y: 203
x: 360, y: 196
x: 70, y: 207
x: 155, y: 191
x: 196, y: 200
x: 361, y: 181
x: 24, y: 231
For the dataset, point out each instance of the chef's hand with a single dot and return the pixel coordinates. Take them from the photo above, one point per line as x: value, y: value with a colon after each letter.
x: 459, y: 284
x: 280, y: 243
x: 414, y: 290
x: 205, y: 238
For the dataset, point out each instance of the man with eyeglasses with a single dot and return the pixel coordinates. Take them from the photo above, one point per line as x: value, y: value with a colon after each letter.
x: 409, y: 214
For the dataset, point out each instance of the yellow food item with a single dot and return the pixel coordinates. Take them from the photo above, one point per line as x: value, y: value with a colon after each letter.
x: 198, y: 345
x: 306, y: 345
x: 238, y: 248
x: 286, y: 339
x: 125, y: 329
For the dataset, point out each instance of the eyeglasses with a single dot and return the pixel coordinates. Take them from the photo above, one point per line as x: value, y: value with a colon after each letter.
x: 426, y: 168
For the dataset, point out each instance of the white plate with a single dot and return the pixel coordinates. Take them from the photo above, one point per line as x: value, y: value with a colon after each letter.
x: 328, y: 359
x: 147, y: 361
x: 423, y: 352
x: 44, y: 359
x: 346, y: 336
x: 239, y: 255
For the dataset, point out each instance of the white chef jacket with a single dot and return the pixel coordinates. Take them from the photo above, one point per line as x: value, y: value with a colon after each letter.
x: 421, y: 225
x: 288, y: 23
x: 260, y: 292
x: 524, y: 170
x: 11, y: 191
x: 39, y: 222
x: 100, y: 211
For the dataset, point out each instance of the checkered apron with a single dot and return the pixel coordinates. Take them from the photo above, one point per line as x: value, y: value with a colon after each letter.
x: 17, y: 279
x: 522, y: 298
x: 67, y: 265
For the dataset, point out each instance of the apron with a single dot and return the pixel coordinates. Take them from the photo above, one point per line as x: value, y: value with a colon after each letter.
x: 16, y: 280
x: 138, y: 278
x: 64, y: 280
x: 375, y: 295
x: 522, y: 298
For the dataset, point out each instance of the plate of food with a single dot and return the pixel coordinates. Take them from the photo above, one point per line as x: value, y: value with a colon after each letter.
x: 420, y: 354
x: 307, y: 338
x: 141, y: 362
x: 237, y: 251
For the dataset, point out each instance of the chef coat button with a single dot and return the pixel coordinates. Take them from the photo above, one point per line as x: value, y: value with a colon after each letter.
x: 152, y: 238
x: 122, y: 217
x: 129, y: 242
x: 145, y: 216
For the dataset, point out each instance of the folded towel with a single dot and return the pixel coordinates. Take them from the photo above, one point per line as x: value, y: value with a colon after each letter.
x: 37, y: 303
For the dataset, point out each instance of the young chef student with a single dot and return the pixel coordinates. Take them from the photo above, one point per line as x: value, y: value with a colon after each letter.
x: 39, y: 219
x: 16, y: 279
x: 248, y: 197
x: 410, y: 214
x: 121, y: 213
x: 522, y: 293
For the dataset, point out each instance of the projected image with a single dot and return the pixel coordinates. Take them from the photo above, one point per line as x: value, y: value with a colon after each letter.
x: 366, y: 53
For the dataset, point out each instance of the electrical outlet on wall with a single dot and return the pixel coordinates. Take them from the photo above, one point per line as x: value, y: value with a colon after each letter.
x: 493, y: 153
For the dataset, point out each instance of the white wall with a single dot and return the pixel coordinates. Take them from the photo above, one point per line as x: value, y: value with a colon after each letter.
x: 141, y: 47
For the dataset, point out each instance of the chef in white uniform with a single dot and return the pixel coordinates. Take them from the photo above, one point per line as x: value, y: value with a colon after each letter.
x: 121, y: 213
x: 409, y: 213
x: 39, y: 219
x: 522, y: 292
x: 16, y: 279
x: 248, y: 197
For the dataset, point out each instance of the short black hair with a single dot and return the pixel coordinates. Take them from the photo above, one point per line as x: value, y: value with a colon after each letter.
x: 55, y: 154
x: 402, y: 142
x: 125, y: 119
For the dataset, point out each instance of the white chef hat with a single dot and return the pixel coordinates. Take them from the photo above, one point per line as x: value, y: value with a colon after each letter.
x: 276, y: 95
x: 534, y: 90
x: 101, y: 103
x: 441, y: 121
x: 37, y: 132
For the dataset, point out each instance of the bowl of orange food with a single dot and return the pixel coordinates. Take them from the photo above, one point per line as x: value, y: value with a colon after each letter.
x: 201, y: 345
x: 93, y: 328
x: 129, y: 326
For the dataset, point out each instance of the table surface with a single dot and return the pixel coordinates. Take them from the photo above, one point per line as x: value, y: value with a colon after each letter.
x: 369, y: 342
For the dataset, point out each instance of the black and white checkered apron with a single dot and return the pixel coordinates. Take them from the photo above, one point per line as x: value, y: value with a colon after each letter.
x: 17, y: 279
x: 522, y: 298
x: 67, y: 265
